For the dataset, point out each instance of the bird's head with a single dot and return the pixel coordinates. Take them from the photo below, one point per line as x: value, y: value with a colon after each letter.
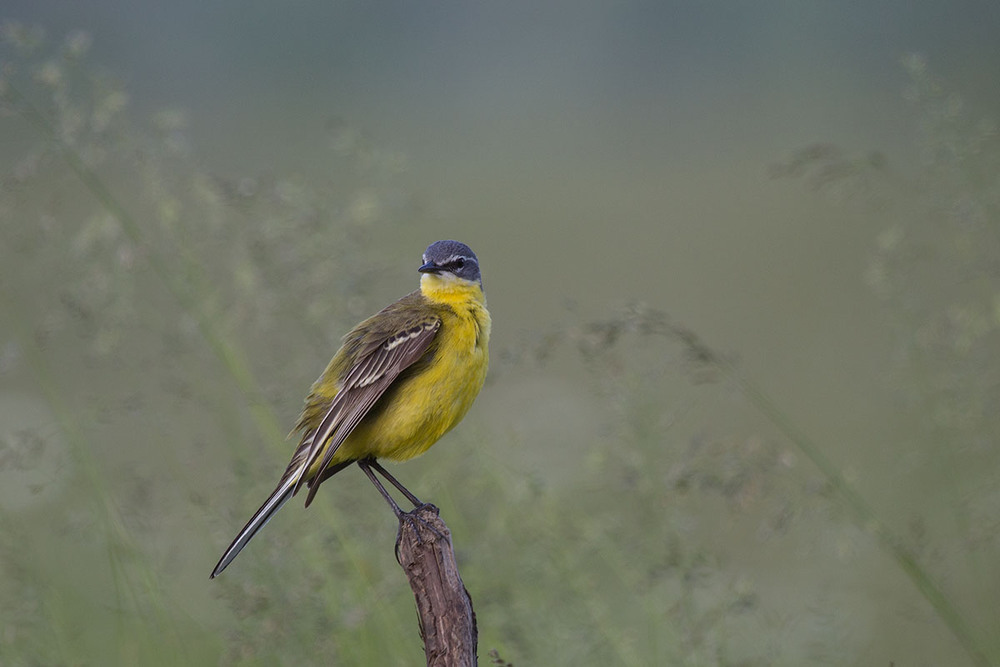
x: 449, y: 265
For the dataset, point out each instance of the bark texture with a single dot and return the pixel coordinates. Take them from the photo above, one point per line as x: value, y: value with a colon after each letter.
x: 444, y: 608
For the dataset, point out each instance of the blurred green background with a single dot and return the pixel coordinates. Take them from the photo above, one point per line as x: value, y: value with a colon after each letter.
x: 742, y: 260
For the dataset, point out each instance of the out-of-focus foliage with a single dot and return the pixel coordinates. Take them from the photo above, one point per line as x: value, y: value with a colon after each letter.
x: 143, y: 294
x: 216, y: 237
x: 935, y: 265
x: 137, y: 285
x: 939, y: 270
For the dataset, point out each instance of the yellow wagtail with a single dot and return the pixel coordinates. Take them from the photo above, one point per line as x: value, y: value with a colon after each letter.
x: 401, y: 380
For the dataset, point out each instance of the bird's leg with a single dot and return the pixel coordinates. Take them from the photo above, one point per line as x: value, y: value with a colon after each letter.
x: 395, y: 482
x: 365, y: 464
x: 413, y: 516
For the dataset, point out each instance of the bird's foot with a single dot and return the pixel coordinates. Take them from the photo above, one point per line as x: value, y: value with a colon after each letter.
x: 422, y: 518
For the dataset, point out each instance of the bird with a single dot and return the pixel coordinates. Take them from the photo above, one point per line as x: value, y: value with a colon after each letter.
x: 401, y: 379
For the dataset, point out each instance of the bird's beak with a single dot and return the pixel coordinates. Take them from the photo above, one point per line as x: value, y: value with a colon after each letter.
x: 430, y: 267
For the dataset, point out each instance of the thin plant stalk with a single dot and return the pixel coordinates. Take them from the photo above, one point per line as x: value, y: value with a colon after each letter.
x: 863, y: 513
x: 179, y: 286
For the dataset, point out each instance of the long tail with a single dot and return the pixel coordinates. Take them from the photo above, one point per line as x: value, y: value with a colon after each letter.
x: 278, y: 498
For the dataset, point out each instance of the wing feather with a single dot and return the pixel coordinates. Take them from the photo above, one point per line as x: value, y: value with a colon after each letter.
x: 381, y: 348
x: 379, y: 364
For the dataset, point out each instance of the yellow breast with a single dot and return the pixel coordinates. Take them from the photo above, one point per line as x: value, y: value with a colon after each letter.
x: 429, y: 403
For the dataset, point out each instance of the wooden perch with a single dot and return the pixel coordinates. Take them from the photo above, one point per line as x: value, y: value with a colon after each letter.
x: 444, y: 608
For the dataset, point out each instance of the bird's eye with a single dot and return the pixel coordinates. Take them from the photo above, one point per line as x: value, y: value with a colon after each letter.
x: 458, y: 264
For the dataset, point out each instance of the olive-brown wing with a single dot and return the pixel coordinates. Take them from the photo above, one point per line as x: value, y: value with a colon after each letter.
x: 375, y: 369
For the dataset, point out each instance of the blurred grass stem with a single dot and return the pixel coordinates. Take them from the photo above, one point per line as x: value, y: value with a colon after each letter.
x: 228, y: 353
x: 185, y: 287
x: 120, y: 544
x: 863, y: 513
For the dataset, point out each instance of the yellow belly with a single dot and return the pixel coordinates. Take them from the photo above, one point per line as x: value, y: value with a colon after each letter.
x: 412, y: 416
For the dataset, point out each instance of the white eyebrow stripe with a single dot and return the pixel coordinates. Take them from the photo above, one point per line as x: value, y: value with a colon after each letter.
x: 455, y: 258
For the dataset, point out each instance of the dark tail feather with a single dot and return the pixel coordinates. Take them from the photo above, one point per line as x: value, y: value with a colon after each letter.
x: 259, y: 519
